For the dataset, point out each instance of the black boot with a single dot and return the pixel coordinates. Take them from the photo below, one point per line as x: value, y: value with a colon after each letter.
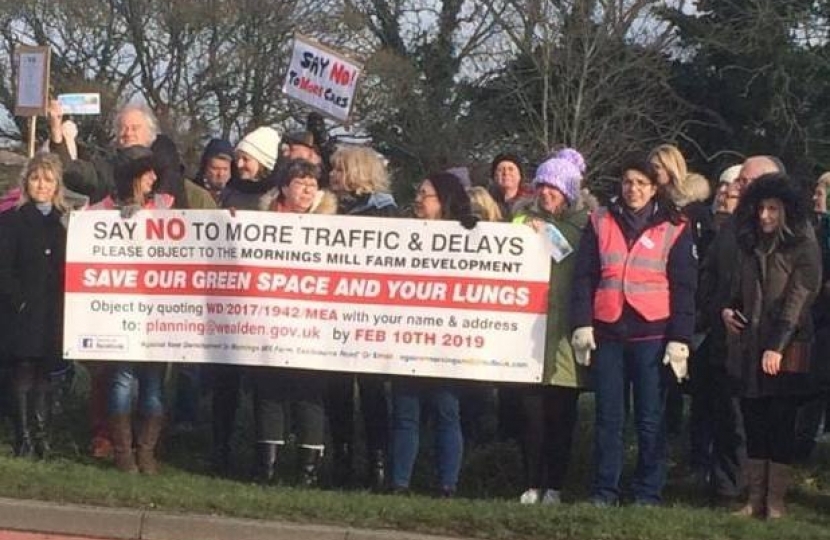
x: 220, y: 460
x: 342, y: 462
x: 377, y: 470
x: 21, y: 384
x: 310, y: 459
x: 223, y: 421
x: 41, y: 413
x: 266, y: 470
x: 22, y: 437
x: 226, y: 388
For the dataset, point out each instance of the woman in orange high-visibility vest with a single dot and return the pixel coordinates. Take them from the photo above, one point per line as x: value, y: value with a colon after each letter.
x: 632, y: 315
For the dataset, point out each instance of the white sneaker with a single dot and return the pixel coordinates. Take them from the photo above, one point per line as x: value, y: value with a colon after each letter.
x: 531, y: 496
x: 551, y: 496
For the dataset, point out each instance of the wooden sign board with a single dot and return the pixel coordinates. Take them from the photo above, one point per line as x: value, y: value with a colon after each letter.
x: 32, y: 84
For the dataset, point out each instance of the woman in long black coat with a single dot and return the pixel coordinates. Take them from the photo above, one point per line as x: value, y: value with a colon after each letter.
x: 33, y: 244
x: 360, y: 180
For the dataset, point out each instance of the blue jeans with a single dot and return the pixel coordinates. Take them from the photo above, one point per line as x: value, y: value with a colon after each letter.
x: 642, y: 362
x: 442, y: 398
x: 149, y: 378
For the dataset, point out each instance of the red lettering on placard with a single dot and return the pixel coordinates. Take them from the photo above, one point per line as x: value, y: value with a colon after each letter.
x: 307, y: 85
x: 340, y: 74
x: 163, y: 229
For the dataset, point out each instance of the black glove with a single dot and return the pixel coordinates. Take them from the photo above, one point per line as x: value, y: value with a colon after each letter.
x: 469, y: 221
x: 316, y: 125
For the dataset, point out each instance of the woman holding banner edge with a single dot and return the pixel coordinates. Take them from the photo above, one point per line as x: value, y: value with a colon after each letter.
x: 359, y: 178
x: 255, y: 157
x: 279, y: 391
x: 440, y: 196
x: 135, y: 181
x: 550, y: 409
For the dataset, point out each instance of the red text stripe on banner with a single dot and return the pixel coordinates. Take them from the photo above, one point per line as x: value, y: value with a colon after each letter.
x: 312, y: 285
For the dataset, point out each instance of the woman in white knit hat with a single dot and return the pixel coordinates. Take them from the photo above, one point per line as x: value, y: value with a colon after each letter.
x: 256, y: 156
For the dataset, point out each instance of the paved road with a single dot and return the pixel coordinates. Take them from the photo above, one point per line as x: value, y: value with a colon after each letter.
x: 16, y: 535
x: 79, y: 522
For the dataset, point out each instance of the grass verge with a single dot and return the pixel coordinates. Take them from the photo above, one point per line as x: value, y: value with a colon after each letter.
x: 63, y: 480
x: 491, y: 482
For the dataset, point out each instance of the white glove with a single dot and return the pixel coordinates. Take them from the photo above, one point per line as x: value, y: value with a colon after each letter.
x: 676, y: 356
x: 583, y: 343
x: 70, y: 133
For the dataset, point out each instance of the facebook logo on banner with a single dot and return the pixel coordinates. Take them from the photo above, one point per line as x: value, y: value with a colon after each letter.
x: 96, y: 344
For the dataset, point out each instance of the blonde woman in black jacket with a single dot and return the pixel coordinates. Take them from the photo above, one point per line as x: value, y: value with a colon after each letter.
x: 33, y: 244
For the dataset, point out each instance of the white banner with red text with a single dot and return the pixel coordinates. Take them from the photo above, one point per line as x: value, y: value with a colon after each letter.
x: 395, y: 296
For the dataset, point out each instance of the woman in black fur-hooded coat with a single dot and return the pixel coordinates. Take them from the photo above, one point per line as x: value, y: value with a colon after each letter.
x: 779, y: 272
x: 772, y: 186
x: 778, y: 277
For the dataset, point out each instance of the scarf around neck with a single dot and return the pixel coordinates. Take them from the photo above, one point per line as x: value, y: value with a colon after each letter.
x: 634, y: 222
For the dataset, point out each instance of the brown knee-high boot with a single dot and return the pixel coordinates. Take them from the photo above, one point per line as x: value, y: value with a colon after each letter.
x: 756, y: 471
x: 148, y: 436
x: 777, y: 485
x: 121, y: 432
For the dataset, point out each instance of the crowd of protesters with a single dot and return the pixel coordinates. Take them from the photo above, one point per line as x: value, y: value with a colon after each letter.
x: 674, y: 286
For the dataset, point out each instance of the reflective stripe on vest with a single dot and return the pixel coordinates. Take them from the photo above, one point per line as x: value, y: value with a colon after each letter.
x: 636, y: 277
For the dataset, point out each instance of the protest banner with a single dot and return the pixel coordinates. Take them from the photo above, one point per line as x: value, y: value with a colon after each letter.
x: 394, y: 296
x: 322, y: 78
